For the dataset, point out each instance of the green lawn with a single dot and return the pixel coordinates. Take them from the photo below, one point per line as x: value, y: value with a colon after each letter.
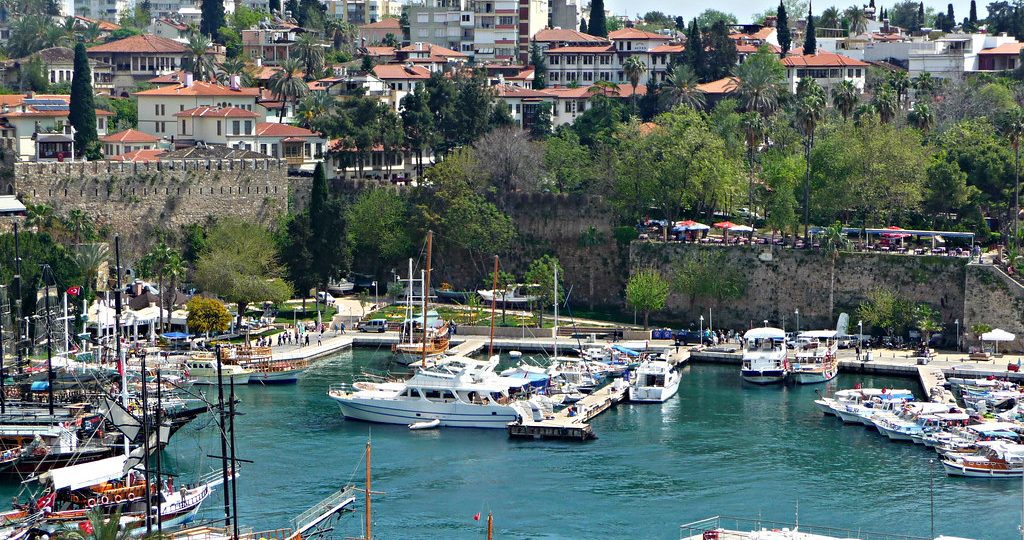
x: 288, y: 312
x: 461, y: 315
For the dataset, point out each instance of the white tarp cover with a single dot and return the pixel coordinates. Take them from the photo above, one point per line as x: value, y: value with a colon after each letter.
x: 764, y: 333
x: 88, y: 474
x: 997, y: 334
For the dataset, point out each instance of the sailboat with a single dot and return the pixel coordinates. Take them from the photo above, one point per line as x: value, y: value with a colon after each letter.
x: 423, y: 337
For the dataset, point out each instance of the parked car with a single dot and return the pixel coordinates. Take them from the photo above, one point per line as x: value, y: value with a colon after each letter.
x: 324, y: 297
x: 686, y: 337
x: 746, y: 213
x: 374, y: 325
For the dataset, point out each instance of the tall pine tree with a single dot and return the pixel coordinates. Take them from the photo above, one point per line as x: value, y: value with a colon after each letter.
x: 82, y: 111
x: 949, y: 14
x: 723, y: 56
x: 782, y: 22
x: 212, y: 18
x: 598, y: 25
x: 810, y: 40
x: 275, y: 6
x: 583, y: 26
x: 540, y: 68
x: 974, y: 13
x: 694, y: 54
x: 919, y: 22
x: 327, y: 229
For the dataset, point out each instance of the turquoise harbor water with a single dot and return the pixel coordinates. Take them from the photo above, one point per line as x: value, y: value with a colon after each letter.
x: 719, y: 447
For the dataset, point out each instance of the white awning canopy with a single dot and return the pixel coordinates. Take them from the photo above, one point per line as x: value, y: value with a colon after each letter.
x: 819, y: 334
x: 997, y: 334
x: 86, y: 474
x: 765, y: 333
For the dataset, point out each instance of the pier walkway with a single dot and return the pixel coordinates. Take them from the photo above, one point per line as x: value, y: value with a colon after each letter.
x: 571, y: 422
x: 933, y: 381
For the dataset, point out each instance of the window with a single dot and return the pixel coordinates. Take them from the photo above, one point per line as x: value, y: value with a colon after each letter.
x: 236, y: 127
x: 568, y: 106
x: 570, y: 59
x: 605, y: 59
x: 506, y: 21
x: 554, y: 75
x: 588, y: 76
x: 588, y: 60
x: 181, y: 108
x: 248, y: 127
x: 422, y: 17
x: 218, y: 127
x: 517, y: 108
x: 182, y: 127
x: 263, y: 148
x: 273, y: 150
x: 554, y: 59
x: 466, y: 17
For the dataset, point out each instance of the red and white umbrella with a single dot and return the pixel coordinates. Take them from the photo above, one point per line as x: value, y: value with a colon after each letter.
x: 895, y: 234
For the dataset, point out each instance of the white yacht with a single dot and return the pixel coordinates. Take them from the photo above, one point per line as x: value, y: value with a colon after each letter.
x: 764, y: 356
x: 815, y: 360
x: 871, y: 401
x: 509, y: 297
x: 655, y: 382
x: 457, y: 393
x: 202, y: 369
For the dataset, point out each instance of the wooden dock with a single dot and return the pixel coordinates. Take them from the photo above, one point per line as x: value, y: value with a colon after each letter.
x: 467, y: 348
x: 933, y: 381
x: 572, y: 422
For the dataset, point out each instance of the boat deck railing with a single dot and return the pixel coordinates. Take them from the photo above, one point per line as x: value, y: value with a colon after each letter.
x: 330, y: 505
x: 340, y: 389
x: 728, y: 528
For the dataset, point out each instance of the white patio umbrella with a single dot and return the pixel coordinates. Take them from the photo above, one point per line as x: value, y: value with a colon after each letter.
x: 996, y: 335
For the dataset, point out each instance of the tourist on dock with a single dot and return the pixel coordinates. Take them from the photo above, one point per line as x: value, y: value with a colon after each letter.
x: 307, y: 339
x: 342, y: 328
x: 319, y: 339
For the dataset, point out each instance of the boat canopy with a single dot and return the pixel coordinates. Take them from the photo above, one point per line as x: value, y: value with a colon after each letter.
x: 820, y: 334
x: 765, y: 333
x: 86, y: 474
x: 625, y: 351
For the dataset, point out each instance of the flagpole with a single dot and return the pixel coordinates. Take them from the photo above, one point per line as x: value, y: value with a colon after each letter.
x: 67, y: 342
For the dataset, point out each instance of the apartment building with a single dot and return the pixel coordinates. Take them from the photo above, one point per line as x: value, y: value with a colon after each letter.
x: 603, y: 61
x: 488, y: 30
x: 137, y: 59
x: 363, y: 11
x: 103, y: 10
x: 828, y: 69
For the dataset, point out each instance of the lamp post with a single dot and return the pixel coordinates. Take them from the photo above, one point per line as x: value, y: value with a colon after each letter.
x: 701, y: 330
x: 375, y: 299
x: 957, y: 323
x: 860, y: 335
x: 797, y: 312
x: 766, y: 323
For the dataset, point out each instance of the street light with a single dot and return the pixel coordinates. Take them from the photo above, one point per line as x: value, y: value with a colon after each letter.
x: 797, y: 312
x: 860, y: 336
x: 375, y: 302
x: 766, y: 323
x: 957, y: 323
x: 701, y: 330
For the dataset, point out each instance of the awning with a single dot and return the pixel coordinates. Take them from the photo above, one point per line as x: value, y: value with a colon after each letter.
x: 625, y: 351
x: 765, y: 333
x: 741, y: 228
x: 174, y: 335
x: 86, y: 474
x: 997, y: 334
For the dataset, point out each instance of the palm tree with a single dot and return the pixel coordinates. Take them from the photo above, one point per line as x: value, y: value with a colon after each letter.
x: 863, y: 110
x: 102, y: 528
x: 808, y: 113
x: 759, y: 86
x: 829, y: 18
x: 315, y: 105
x: 858, y: 22
x: 1012, y: 127
x: 681, y: 88
x: 924, y: 84
x: 159, y: 258
x: 92, y: 33
x: 634, y: 68
x: 231, y: 66
x: 90, y: 257
x: 202, y: 67
x: 921, y: 116
x: 604, y: 88
x: 311, y: 54
x: 176, y: 270
x: 833, y: 240
x: 900, y: 83
x: 39, y: 217
x: 287, y: 84
x: 845, y: 97
x: 754, y: 128
x: 886, y: 104
x: 79, y: 224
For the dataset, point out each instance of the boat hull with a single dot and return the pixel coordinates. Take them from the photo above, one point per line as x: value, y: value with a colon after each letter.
x: 763, y: 377
x: 825, y: 407
x: 450, y: 414
x: 654, y: 394
x: 957, y: 469
x: 812, y: 377
x: 853, y: 418
x: 237, y: 378
x: 289, y: 376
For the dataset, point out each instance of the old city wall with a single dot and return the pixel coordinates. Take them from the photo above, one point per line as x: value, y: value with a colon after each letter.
x: 134, y: 199
x: 780, y: 281
x: 995, y: 299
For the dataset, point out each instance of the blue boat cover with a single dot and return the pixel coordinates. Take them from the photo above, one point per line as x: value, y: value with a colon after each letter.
x: 623, y: 350
x: 39, y: 386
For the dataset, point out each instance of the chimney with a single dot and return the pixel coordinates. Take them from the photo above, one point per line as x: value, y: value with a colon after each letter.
x: 188, y: 79
x: 235, y: 82
x: 259, y: 61
x: 501, y: 79
x: 419, y: 45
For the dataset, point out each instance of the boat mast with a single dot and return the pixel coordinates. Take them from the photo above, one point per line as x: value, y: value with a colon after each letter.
x: 17, y: 299
x: 146, y: 448
x: 223, y: 440
x: 49, y: 340
x: 234, y: 463
x: 159, y: 465
x: 490, y: 526
x: 494, y: 302
x: 4, y: 303
x: 121, y: 367
x: 408, y: 303
x: 426, y: 298
x: 556, y: 309
x: 369, y: 522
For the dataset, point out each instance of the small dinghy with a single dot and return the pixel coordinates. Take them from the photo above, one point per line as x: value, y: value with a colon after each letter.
x: 515, y: 354
x: 428, y: 424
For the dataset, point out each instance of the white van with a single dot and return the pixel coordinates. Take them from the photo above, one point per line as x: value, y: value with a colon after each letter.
x: 374, y: 325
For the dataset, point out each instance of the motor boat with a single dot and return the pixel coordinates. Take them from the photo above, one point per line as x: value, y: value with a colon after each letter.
x: 202, y: 369
x: 508, y: 297
x: 655, y: 381
x: 814, y: 359
x: 764, y: 356
x: 993, y: 459
x: 862, y: 405
x: 904, y: 425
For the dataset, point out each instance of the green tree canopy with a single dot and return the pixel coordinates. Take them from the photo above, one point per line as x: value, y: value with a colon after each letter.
x: 207, y: 315
x: 647, y: 291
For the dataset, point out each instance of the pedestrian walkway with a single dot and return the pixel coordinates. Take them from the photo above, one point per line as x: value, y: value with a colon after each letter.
x: 330, y: 343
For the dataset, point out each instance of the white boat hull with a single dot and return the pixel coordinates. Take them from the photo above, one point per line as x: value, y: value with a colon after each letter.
x: 773, y: 376
x: 289, y: 376
x: 956, y: 469
x: 238, y: 378
x: 853, y: 418
x: 450, y: 414
x: 811, y: 377
x: 654, y: 394
x: 407, y: 358
x: 825, y: 406
x: 894, y: 434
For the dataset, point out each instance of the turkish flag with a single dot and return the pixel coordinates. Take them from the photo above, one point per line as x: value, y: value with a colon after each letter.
x: 85, y: 526
x: 74, y: 290
x: 476, y: 517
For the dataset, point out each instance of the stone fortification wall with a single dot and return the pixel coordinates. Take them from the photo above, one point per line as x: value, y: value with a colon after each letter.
x: 995, y: 299
x: 780, y: 281
x: 135, y: 199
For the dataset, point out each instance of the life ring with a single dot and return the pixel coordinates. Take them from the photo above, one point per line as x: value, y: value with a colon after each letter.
x: 117, y: 498
x: 104, y: 500
x: 132, y: 496
x: 91, y: 502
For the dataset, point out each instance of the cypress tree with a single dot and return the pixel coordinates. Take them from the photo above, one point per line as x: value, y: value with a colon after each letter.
x: 949, y: 14
x: 810, y: 40
x: 598, y: 25
x: 82, y: 111
x: 723, y: 56
x: 872, y: 4
x: 212, y: 18
x: 319, y: 195
x: 694, y: 54
x: 782, y: 22
x: 583, y: 25
x: 974, y: 13
x: 540, y: 68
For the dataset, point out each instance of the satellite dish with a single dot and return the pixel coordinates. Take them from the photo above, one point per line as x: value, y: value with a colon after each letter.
x: 842, y: 324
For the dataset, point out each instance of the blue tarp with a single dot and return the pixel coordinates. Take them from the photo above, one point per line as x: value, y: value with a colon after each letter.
x: 39, y: 386
x: 623, y: 350
x: 175, y: 335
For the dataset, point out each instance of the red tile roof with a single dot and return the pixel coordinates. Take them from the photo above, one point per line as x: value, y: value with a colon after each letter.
x: 523, y: 75
x: 173, y: 77
x: 129, y: 136
x: 140, y: 155
x: 761, y: 35
x: 145, y: 43
x: 398, y: 71
x: 216, y: 112
x: 721, y: 86
x: 383, y: 24
x: 273, y: 129
x: 510, y: 91
x: 635, y: 33
x: 103, y: 25
x: 380, y: 51
x: 751, y: 49
x: 822, y: 59
x: 433, y: 50
x: 199, y: 88
x: 625, y: 91
x: 181, y: 27
x: 671, y: 49
x: 556, y: 35
x: 1006, y: 48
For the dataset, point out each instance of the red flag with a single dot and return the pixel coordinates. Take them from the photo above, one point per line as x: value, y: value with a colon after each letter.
x: 476, y: 517
x: 74, y: 290
x: 85, y: 526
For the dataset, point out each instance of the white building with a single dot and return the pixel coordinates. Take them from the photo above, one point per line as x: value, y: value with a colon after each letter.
x: 586, y: 64
x: 158, y: 107
x: 139, y: 58
x: 129, y: 140
x: 104, y: 10
x: 36, y: 126
x: 953, y: 55
x: 828, y: 69
x: 485, y: 29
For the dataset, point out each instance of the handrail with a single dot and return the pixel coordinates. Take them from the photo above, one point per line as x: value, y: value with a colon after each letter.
x: 697, y: 528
